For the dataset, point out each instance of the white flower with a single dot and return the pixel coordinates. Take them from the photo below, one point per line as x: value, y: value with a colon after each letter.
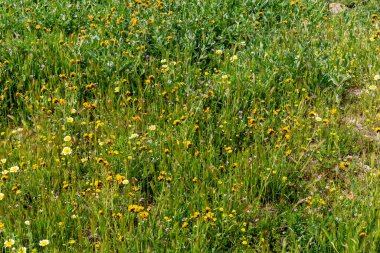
x: 152, y: 127
x: 133, y: 136
x: 44, y: 243
x: 372, y: 87
x: 21, y: 250
x: 9, y: 243
x: 14, y: 169
x: 233, y: 58
x: 66, y: 151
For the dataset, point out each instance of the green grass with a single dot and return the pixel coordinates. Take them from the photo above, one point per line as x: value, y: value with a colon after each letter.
x: 193, y: 126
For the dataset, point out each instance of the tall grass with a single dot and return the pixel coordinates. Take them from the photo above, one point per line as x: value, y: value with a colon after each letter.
x: 189, y: 126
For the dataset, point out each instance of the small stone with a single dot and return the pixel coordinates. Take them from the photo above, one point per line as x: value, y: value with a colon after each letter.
x: 336, y: 8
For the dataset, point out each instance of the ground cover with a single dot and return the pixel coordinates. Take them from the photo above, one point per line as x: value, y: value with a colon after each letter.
x: 189, y: 126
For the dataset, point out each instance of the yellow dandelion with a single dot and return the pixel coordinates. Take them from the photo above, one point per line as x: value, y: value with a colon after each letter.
x: 176, y: 122
x: 344, y: 165
x: 144, y: 215
x: 185, y: 224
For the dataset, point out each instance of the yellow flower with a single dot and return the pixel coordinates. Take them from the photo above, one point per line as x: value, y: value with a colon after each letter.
x: 67, y: 138
x: 125, y: 181
x: 2, y: 196
x: 9, y: 243
x: 152, y: 127
x: 14, y: 169
x: 219, y: 52
x: 44, y: 243
x: 344, y: 165
x: 70, y: 119
x: 144, y: 215
x: 376, y: 77
x: 372, y: 87
x: 66, y: 151
x: 2, y: 226
x: 133, y: 136
x: 22, y: 250
x: 233, y: 58
x: 188, y: 144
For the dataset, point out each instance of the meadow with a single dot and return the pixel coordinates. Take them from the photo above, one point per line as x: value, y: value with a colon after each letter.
x: 189, y: 126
